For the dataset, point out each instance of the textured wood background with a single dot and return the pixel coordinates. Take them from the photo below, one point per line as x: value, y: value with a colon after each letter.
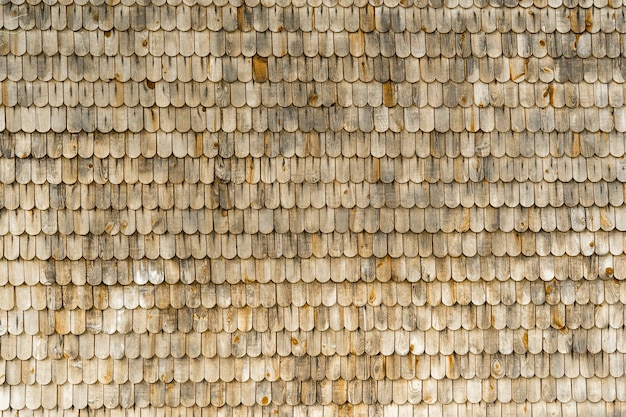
x: 260, y: 208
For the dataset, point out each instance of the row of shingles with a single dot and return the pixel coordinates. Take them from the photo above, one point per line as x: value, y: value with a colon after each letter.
x: 230, y: 18
x: 371, y: 409
x: 205, y: 400
x: 425, y: 314
x: 382, y: 395
x: 363, y: 120
x: 319, y: 245
x: 542, y: 172
x: 358, y: 222
x: 126, y: 348
x: 95, y: 78
x: 329, y: 147
x: 321, y: 119
x: 320, y: 18
x: 597, y: 334
x: 368, y: 220
x: 143, y: 73
x: 193, y: 201
x: 450, y: 4
x: 568, y: 146
x: 375, y: 362
x: 279, y: 269
x: 282, y: 33
x: 505, y: 294
x: 348, y: 247
x: 587, y: 353
x: 250, y: 200
x: 383, y: 391
x: 180, y: 375
x: 461, y: 92
x: 319, y: 95
x: 397, y: 96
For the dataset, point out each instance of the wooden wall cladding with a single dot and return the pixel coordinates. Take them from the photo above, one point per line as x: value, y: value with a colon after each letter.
x: 312, y: 208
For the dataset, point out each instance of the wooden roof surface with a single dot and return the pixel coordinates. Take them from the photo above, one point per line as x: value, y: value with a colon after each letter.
x: 312, y: 208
